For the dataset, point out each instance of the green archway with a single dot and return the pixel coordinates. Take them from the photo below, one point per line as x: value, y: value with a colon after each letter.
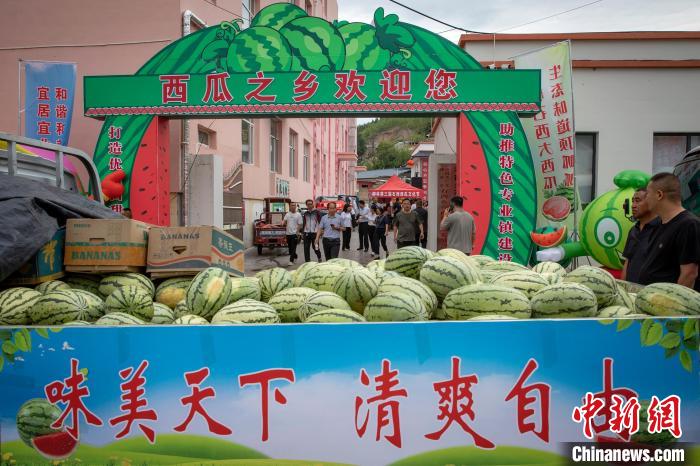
x: 284, y: 43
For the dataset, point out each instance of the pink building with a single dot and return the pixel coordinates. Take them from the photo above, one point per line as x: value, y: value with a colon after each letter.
x: 297, y: 158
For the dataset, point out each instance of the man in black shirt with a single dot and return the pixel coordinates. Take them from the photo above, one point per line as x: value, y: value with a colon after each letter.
x: 423, y: 216
x: 674, y: 249
x: 638, y: 237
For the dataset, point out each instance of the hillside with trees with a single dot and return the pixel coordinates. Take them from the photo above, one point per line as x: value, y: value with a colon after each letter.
x: 388, y: 142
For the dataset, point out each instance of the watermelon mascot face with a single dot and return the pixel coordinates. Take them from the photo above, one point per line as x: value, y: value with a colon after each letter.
x: 604, y: 225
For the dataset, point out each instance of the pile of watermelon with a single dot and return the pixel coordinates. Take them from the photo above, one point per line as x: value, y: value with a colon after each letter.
x: 413, y: 284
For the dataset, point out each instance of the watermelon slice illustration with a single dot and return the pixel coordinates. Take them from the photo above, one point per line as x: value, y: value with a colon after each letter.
x: 548, y: 237
x: 556, y: 208
x: 55, y: 446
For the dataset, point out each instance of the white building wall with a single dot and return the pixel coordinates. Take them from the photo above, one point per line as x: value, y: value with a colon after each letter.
x: 623, y: 106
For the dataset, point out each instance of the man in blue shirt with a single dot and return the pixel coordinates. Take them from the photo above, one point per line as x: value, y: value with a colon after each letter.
x: 329, y: 229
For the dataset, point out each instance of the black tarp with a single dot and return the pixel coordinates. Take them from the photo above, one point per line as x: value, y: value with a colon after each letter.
x: 30, y: 214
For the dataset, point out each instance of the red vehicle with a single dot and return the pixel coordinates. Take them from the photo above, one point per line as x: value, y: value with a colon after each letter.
x: 269, y: 231
x: 322, y: 203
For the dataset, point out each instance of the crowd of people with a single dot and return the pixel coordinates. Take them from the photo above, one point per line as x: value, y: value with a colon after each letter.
x: 405, y: 221
x: 663, y: 245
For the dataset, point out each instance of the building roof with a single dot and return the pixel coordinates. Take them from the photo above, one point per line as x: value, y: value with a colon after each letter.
x: 557, y: 36
x: 423, y: 149
x: 383, y: 173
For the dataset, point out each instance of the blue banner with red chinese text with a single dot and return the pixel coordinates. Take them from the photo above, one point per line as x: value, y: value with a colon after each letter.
x: 502, y: 393
x: 49, y: 95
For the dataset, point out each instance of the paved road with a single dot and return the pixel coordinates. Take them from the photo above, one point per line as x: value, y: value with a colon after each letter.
x: 280, y: 258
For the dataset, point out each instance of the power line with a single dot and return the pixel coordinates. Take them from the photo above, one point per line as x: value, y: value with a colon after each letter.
x: 552, y: 16
x: 437, y: 20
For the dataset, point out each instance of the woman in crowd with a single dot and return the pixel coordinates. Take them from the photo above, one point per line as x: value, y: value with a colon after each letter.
x: 346, y: 219
x: 382, y: 224
x: 371, y: 226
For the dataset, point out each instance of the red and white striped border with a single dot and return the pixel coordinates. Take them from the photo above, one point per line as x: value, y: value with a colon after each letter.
x: 311, y: 108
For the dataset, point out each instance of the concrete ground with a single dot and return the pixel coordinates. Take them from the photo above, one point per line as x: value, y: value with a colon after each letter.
x: 279, y: 257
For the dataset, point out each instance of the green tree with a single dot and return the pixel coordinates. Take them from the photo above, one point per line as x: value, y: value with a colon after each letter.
x: 387, y: 155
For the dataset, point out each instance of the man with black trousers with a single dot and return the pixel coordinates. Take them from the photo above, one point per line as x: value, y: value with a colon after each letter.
x: 292, y: 222
x: 312, y: 217
x: 362, y: 226
x: 330, y: 228
x: 674, y: 250
x: 422, y: 213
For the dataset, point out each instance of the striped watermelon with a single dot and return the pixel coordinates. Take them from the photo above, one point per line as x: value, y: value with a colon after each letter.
x: 407, y: 261
x: 624, y: 299
x: 485, y: 299
x: 119, y: 318
x: 244, y: 287
x: 277, y: 15
x: 482, y: 259
x: 552, y: 278
x: 272, y: 281
x: 443, y: 274
x: 299, y: 275
x: 334, y: 316
x: 111, y: 282
x: 162, y: 314
x: 527, y: 282
x: 259, y: 49
x: 322, y: 277
x: 487, y: 276
x: 345, y: 263
x: 85, y: 282
x: 668, y: 299
x: 395, y: 307
x: 133, y: 300
x: 356, y: 286
x: 53, y: 285
x: 384, y: 275
x: 172, y: 291
x: 376, y: 265
x: 362, y: 50
x: 59, y: 307
x: 549, y: 267
x: 460, y: 256
x: 247, y: 311
x: 34, y: 419
x: 190, y: 319
x: 77, y: 323
x: 615, y: 312
x: 209, y: 291
x: 502, y: 266
x: 564, y: 300
x: 287, y: 302
x: 598, y: 280
x: 411, y: 286
x: 319, y: 301
x: 181, y: 309
x: 490, y: 317
x: 15, y: 304
x: 315, y: 44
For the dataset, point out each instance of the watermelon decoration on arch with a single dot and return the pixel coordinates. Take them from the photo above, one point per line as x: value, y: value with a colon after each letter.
x: 284, y: 38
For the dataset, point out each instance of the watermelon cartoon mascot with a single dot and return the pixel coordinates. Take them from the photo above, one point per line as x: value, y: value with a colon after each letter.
x: 604, y: 225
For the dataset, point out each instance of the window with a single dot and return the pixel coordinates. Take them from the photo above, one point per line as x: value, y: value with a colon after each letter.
x: 275, y: 146
x: 669, y: 149
x: 206, y: 137
x: 585, y: 166
x: 293, y: 172
x: 247, y: 138
x: 307, y: 155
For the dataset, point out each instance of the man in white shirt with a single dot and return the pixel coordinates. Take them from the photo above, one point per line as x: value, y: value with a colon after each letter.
x: 362, y: 226
x: 293, y: 222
